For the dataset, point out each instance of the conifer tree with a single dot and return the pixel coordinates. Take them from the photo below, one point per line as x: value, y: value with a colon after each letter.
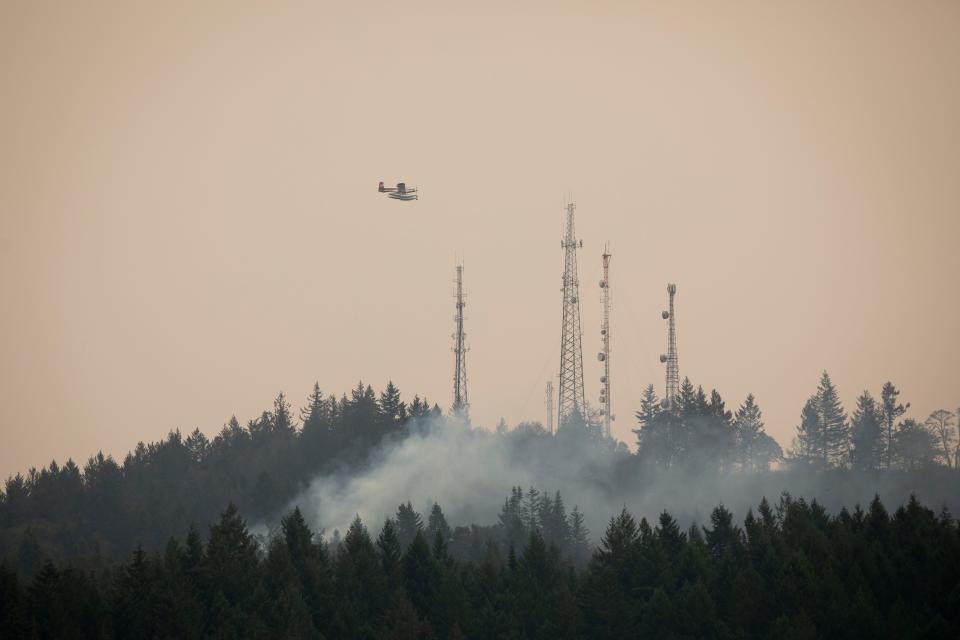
x: 579, y: 538
x: 530, y: 509
x: 807, y: 444
x: 836, y: 436
x: 421, y: 576
x: 748, y: 427
x: 317, y: 420
x: 391, y: 553
x: 646, y: 415
x: 13, y: 609
x: 409, y: 523
x: 360, y: 584
x: 511, y: 521
x: 437, y: 524
x: 687, y: 403
x: 231, y: 560
x: 197, y: 445
x: 823, y: 436
x: 890, y: 411
x: 865, y: 434
x: 281, y: 420
x: 393, y: 410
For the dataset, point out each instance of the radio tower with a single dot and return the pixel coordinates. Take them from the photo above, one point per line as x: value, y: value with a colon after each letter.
x: 605, y: 354
x: 550, y: 406
x: 673, y: 370
x: 461, y: 406
x: 571, y: 393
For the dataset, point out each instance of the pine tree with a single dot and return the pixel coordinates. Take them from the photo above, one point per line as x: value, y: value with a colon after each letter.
x: 43, y: 598
x: 511, y: 521
x: 836, y: 435
x: 553, y: 521
x: 866, y: 435
x: 687, y: 403
x: 418, y: 408
x: 748, y: 427
x: 231, y: 563
x: 360, y: 584
x: 409, y: 523
x: 890, y: 412
x: 197, y: 445
x: 317, y: 420
x: 421, y: 576
x: 669, y: 536
x: 437, y: 524
x: 823, y: 436
x: 530, y: 509
x: 13, y: 609
x: 579, y: 538
x: 617, y: 546
x: 724, y: 536
x: 136, y: 603
x: 807, y: 444
x: 311, y: 563
x: 646, y: 416
x: 281, y: 419
x: 391, y: 553
x: 440, y: 548
x: 393, y: 410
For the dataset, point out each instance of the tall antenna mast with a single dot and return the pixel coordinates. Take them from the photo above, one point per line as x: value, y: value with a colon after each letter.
x: 572, y: 397
x: 673, y: 370
x: 549, y: 406
x: 461, y: 405
x: 604, y: 355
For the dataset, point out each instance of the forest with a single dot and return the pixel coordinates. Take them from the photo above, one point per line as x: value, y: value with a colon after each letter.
x: 258, y: 531
x: 790, y: 571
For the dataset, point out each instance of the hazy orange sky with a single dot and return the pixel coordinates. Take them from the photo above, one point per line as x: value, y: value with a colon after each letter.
x: 189, y: 222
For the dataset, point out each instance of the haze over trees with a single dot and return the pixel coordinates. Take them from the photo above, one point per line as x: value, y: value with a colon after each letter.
x: 698, y: 433
x: 532, y: 569
x: 876, y: 437
x: 162, y: 488
x: 791, y: 570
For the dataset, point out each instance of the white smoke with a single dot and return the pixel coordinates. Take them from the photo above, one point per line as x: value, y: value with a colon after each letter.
x: 469, y: 473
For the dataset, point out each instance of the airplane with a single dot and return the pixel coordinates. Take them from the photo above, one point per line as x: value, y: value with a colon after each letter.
x: 400, y: 192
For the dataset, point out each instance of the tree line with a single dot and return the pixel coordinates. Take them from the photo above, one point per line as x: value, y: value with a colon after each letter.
x: 161, y: 488
x: 696, y: 432
x: 876, y: 437
x: 791, y: 571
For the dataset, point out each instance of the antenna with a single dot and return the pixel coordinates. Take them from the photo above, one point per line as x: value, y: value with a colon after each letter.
x: 571, y: 394
x: 673, y: 370
x: 604, y: 355
x: 461, y: 405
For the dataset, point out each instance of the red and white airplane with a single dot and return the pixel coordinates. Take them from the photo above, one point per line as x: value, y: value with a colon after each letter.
x: 400, y: 192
